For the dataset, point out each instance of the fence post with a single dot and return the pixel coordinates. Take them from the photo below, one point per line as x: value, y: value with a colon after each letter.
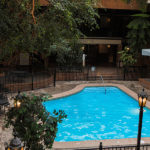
x: 32, y: 71
x: 54, y: 77
x: 32, y: 79
x: 124, y: 73
x: 100, y: 146
x: 87, y: 73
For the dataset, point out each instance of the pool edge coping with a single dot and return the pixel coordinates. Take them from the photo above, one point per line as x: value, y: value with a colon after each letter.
x: 80, y: 87
x: 95, y: 143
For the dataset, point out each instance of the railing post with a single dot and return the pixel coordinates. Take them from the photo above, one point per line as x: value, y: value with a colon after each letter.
x: 54, y: 77
x: 87, y: 73
x: 100, y: 146
x: 32, y: 72
x: 124, y: 73
x: 32, y: 78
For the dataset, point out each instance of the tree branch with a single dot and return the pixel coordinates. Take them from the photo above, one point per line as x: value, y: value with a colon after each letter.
x: 32, y: 12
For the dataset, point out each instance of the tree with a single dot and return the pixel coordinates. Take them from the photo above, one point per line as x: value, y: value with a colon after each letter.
x: 72, y: 57
x: 33, y: 124
x: 137, y: 38
x: 26, y: 26
x: 138, y: 34
x: 127, y: 57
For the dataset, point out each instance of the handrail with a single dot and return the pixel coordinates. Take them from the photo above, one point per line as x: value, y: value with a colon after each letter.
x: 103, y: 82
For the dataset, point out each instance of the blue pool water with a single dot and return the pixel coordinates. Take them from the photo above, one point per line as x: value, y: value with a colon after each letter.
x: 94, y: 115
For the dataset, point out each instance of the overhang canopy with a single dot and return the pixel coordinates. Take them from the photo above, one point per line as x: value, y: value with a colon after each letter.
x: 104, y: 40
x: 146, y: 52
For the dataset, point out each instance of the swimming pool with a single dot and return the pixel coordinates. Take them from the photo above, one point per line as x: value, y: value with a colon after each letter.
x: 94, y: 115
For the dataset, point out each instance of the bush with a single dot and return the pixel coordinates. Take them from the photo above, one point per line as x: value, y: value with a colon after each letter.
x: 33, y: 124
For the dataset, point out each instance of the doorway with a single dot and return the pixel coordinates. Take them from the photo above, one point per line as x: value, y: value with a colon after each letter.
x: 101, y: 55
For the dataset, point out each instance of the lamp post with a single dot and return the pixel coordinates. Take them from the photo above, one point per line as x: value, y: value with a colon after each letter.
x: 142, y: 97
x: 17, y: 100
x: 15, y: 144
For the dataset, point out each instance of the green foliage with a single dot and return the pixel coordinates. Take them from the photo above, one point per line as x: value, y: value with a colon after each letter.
x: 73, y: 57
x: 33, y: 124
x: 139, y: 33
x: 141, y: 3
x: 55, y: 24
x: 127, y: 58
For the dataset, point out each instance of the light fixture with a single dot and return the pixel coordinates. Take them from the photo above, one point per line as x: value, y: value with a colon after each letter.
x: 127, y: 48
x: 15, y: 144
x: 17, y: 100
x: 108, y: 46
x: 108, y: 19
x: 82, y: 48
x: 142, y: 98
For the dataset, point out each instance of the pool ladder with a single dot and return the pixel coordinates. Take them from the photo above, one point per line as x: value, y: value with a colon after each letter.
x: 101, y: 77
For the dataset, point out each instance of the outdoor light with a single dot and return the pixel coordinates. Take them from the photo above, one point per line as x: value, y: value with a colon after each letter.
x: 17, y: 100
x: 108, y: 19
x: 127, y: 48
x: 142, y: 97
x: 15, y: 144
x: 82, y: 48
x: 108, y: 46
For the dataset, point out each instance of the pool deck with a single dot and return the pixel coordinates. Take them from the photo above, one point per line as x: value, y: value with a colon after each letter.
x: 95, y: 143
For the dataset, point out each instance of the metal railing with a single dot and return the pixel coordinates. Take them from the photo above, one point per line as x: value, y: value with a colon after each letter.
x: 12, y: 81
x: 126, y: 147
x: 101, y: 77
x: 135, y: 72
x: 101, y: 147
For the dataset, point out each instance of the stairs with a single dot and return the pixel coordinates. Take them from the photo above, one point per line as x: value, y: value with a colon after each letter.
x: 108, y: 73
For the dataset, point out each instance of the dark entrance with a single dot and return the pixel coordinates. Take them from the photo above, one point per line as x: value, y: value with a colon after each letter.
x: 101, y: 55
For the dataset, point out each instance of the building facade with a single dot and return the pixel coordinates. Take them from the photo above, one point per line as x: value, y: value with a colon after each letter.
x: 102, y: 45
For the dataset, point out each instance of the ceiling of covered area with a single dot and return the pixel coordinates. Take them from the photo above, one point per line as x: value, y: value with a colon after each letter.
x: 117, y: 4
x: 110, y: 4
x: 43, y: 2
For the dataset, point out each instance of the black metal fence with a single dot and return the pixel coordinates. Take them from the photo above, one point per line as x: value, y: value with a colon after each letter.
x: 135, y: 72
x: 101, y: 147
x: 14, y: 80
x: 71, y: 73
x: 87, y: 74
x: 126, y: 147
